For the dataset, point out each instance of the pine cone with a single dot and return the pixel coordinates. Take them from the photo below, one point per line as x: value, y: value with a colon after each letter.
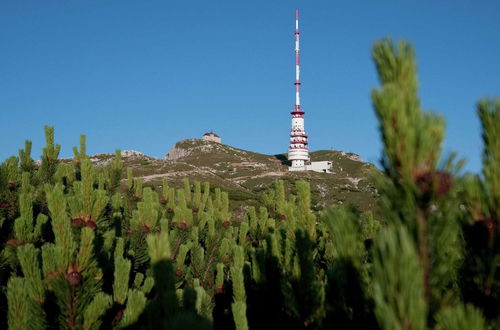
x: 74, y: 278
x: 118, y: 315
x: 91, y: 224
x: 424, y: 182
x: 77, y: 222
x: 445, y: 181
x: 433, y: 182
x: 14, y: 242
x: 11, y: 185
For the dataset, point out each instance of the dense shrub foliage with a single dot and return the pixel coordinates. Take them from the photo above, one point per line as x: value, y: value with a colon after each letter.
x: 83, y: 247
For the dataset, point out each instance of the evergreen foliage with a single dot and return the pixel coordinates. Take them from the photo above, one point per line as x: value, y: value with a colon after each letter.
x: 81, y: 250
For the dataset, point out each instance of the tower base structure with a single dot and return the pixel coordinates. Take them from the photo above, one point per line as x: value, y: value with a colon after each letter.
x: 298, y: 154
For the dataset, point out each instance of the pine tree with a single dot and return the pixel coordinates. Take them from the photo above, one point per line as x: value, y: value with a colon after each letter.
x: 481, y: 272
x: 415, y: 192
x: 26, y: 162
x: 50, y: 156
x: 239, y: 305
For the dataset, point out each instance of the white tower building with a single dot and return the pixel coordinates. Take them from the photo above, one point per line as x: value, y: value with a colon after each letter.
x: 298, y: 152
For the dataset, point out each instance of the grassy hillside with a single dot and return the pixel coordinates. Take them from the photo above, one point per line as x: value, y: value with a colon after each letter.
x: 246, y: 175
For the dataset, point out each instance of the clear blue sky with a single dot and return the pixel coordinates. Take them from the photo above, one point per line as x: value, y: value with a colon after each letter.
x: 142, y: 75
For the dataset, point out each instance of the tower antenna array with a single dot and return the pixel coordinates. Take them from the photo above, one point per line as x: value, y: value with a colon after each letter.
x: 298, y: 152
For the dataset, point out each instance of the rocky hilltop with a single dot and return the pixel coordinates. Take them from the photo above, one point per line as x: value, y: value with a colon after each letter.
x: 246, y: 175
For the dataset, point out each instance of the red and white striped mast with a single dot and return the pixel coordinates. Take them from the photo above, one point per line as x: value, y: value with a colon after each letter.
x: 298, y: 152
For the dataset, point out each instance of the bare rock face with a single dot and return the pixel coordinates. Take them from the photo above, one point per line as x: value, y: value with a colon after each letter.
x: 189, y: 147
x: 352, y: 156
x: 355, y: 157
x: 177, y: 152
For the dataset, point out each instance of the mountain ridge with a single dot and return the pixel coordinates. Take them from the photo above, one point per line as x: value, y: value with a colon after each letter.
x: 247, y: 174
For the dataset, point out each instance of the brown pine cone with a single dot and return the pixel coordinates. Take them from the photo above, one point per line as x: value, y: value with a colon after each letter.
x: 118, y: 315
x: 433, y: 182
x: 91, y: 224
x: 74, y: 278
x: 14, y: 242
x: 77, y: 222
x: 11, y: 185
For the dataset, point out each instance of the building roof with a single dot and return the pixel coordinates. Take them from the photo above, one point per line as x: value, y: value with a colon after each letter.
x: 211, y: 134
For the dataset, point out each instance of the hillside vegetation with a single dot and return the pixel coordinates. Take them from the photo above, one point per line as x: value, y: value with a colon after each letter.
x: 246, y: 175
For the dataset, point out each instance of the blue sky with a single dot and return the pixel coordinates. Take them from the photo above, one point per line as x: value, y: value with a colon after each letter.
x: 142, y: 75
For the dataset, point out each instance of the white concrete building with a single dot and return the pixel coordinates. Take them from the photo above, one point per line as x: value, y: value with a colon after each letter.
x: 321, y: 167
x: 212, y: 137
